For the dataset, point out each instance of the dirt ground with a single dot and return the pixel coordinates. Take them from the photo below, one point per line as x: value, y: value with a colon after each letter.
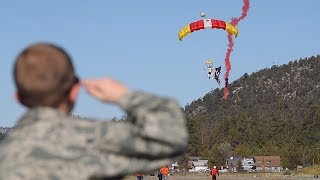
x: 228, y: 177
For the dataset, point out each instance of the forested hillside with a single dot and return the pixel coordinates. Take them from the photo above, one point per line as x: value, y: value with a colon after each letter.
x: 275, y: 111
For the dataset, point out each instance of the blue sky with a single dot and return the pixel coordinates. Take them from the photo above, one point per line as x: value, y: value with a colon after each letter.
x: 136, y: 42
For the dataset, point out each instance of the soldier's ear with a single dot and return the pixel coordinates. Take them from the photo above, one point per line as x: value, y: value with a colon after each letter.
x: 74, y: 92
x: 17, y: 96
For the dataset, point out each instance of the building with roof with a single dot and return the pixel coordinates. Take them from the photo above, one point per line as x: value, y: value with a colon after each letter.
x: 248, y: 164
x: 268, y: 163
x: 199, y: 165
x: 232, y: 163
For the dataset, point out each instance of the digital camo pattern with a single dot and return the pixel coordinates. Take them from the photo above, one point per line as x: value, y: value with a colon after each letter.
x: 5, y: 130
x: 46, y: 144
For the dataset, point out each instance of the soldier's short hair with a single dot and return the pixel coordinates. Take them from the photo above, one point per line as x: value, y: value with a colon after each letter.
x: 44, y: 75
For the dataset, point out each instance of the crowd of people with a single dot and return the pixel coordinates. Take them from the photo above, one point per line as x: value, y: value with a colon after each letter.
x: 164, y: 173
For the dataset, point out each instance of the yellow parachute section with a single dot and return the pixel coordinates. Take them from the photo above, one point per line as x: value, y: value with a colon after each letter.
x: 231, y: 29
x: 209, y: 62
x: 184, y: 32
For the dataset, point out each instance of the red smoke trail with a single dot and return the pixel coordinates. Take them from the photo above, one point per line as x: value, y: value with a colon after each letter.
x: 234, y: 22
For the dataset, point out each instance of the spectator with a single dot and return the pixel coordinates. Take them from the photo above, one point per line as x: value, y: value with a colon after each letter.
x: 139, y: 176
x: 46, y: 143
x: 214, y: 172
x: 164, y: 171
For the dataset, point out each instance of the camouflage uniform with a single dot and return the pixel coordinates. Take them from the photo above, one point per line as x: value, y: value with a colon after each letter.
x: 47, y: 144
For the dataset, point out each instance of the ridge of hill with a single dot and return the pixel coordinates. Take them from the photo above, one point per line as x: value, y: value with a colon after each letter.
x: 274, y: 111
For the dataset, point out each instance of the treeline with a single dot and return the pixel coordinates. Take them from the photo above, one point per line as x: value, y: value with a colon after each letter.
x: 275, y: 111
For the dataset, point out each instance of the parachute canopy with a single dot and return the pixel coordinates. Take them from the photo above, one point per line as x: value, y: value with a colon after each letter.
x: 207, y: 24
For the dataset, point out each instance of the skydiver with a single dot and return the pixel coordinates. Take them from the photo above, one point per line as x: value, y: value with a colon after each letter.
x: 209, y: 69
x: 217, y: 74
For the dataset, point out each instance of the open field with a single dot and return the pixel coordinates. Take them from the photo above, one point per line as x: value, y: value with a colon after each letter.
x: 251, y: 176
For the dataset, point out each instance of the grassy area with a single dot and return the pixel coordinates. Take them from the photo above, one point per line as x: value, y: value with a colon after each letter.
x: 231, y: 176
x: 303, y: 174
x: 312, y: 170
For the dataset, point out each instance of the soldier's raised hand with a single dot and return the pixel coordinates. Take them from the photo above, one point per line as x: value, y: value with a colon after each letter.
x: 105, y: 89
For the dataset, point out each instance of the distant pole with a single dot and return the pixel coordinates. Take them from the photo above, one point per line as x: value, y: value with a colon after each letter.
x: 318, y: 155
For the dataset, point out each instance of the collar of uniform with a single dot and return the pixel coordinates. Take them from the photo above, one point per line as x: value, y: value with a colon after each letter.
x: 39, y: 114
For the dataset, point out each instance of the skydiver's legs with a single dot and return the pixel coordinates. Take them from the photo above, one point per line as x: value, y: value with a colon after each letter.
x: 216, y: 77
x: 218, y: 80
